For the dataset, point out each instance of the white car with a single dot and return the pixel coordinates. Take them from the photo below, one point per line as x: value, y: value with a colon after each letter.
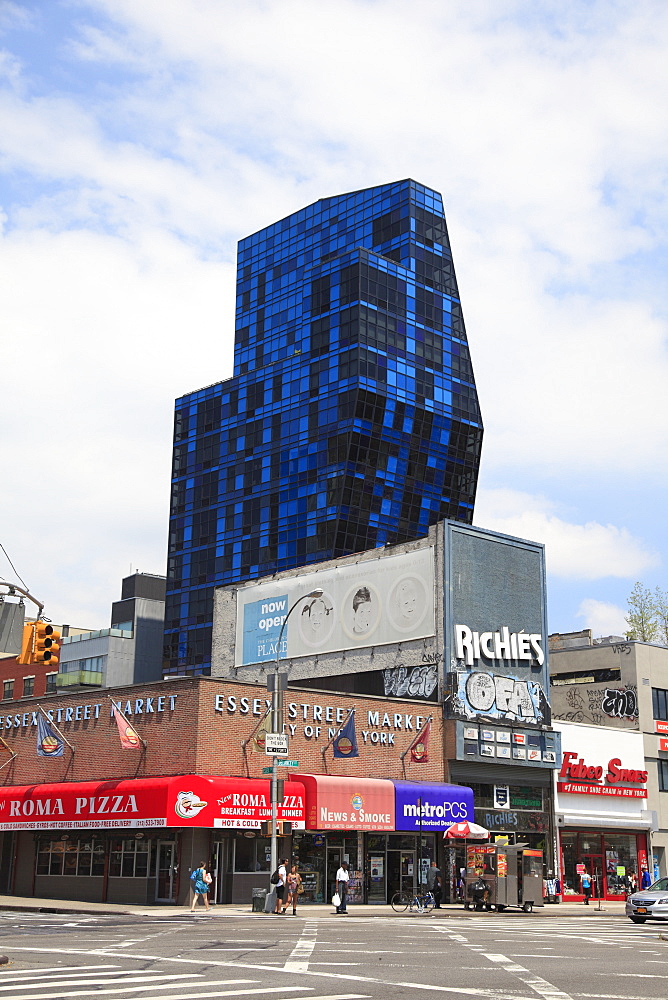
x: 649, y: 904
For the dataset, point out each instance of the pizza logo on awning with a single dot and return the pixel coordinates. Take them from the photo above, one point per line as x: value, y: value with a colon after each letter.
x: 188, y: 805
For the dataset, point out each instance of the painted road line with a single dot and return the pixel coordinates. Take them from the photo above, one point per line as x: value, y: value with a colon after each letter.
x: 130, y: 989
x: 537, y: 983
x: 64, y: 970
x: 131, y: 978
x: 191, y: 995
x: 299, y: 957
x: 491, y: 994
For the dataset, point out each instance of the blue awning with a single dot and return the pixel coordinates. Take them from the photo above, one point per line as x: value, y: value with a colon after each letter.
x: 441, y: 805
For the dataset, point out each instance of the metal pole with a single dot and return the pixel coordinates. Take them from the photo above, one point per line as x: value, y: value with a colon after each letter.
x: 277, y: 727
x: 420, y: 851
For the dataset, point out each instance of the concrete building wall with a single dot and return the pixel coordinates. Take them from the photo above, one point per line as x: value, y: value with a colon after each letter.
x: 623, y: 701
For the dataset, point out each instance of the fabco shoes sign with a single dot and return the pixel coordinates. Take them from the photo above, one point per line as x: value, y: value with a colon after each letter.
x: 587, y: 779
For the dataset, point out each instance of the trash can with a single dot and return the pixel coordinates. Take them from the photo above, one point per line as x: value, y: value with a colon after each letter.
x: 258, y: 900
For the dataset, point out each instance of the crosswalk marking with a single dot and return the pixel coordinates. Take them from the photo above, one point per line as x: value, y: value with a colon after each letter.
x: 137, y: 989
x: 64, y: 970
x: 257, y: 991
x: 131, y: 976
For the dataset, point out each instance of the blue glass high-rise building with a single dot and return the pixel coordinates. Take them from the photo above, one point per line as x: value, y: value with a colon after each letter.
x: 352, y: 419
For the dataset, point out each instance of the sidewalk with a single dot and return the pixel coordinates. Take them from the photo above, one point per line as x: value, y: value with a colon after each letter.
x: 29, y: 904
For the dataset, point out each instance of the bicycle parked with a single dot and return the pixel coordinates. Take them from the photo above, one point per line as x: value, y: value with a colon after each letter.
x: 420, y: 902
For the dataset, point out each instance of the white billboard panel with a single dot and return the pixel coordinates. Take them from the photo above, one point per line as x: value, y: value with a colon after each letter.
x: 389, y: 599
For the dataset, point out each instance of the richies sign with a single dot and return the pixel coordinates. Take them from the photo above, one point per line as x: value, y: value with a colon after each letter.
x: 496, y: 627
x: 370, y: 603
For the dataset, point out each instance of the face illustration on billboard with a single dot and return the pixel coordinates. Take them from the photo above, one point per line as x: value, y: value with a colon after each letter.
x: 361, y: 612
x: 408, y: 603
x: 317, y: 620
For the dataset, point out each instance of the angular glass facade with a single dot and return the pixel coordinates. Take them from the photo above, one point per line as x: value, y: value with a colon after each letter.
x: 352, y: 418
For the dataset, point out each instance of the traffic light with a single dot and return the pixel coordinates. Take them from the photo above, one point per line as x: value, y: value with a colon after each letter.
x: 283, y: 828
x: 47, y: 644
x: 27, y: 644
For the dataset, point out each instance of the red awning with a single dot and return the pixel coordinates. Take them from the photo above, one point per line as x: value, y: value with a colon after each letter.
x: 184, y: 800
x: 335, y: 803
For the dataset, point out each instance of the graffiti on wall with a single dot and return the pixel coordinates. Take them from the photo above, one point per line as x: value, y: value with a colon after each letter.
x: 597, y: 705
x: 497, y: 696
x: 414, y: 682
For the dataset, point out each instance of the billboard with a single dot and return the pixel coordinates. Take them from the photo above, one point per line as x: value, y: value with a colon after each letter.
x: 371, y: 603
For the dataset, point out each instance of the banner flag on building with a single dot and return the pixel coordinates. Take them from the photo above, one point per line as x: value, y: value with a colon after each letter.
x: 345, y: 742
x: 258, y: 737
x: 12, y: 753
x: 419, y: 748
x: 50, y: 741
x: 128, y: 735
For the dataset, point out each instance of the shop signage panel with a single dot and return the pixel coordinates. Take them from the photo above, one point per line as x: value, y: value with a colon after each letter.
x: 336, y: 803
x: 441, y: 805
x: 573, y: 788
x: 661, y: 727
x: 185, y: 800
x: 663, y: 743
x: 372, y: 602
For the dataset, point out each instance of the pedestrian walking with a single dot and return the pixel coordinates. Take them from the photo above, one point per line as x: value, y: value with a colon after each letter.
x: 201, y: 880
x: 294, y: 881
x: 585, y: 878
x: 435, y: 884
x: 281, y: 886
x: 342, y: 878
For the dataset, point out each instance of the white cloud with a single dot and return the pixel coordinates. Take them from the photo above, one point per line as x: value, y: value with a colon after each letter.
x: 602, y: 618
x: 574, y: 551
x: 154, y: 135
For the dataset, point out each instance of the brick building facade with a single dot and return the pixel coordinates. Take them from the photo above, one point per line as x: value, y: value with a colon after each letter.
x: 100, y: 822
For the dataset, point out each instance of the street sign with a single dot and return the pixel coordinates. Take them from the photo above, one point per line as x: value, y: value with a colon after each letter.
x: 267, y: 770
x: 276, y: 743
x: 287, y: 763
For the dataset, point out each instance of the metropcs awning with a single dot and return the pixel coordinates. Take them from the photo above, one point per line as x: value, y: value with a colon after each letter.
x: 425, y: 806
x: 185, y: 800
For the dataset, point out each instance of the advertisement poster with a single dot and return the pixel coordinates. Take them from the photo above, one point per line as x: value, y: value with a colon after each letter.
x: 371, y: 603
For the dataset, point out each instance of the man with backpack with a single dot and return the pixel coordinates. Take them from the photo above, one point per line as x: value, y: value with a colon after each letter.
x: 278, y: 881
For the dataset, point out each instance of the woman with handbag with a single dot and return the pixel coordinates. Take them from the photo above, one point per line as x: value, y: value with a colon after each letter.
x: 201, y: 880
x: 295, y: 889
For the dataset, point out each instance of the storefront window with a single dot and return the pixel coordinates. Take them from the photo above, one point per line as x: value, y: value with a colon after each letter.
x: 70, y: 857
x: 524, y: 797
x: 253, y: 854
x: 483, y: 795
x: 611, y: 858
x: 621, y: 860
x: 571, y: 883
x: 128, y: 858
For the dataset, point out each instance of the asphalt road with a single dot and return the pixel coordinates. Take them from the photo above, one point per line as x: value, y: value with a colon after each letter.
x: 186, y: 957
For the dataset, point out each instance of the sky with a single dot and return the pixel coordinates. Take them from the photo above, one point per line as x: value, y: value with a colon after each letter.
x: 140, y: 141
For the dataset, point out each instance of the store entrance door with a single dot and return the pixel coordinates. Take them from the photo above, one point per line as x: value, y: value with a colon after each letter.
x: 334, y: 860
x: 220, y: 889
x: 401, y: 872
x: 594, y: 865
x: 165, y: 872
